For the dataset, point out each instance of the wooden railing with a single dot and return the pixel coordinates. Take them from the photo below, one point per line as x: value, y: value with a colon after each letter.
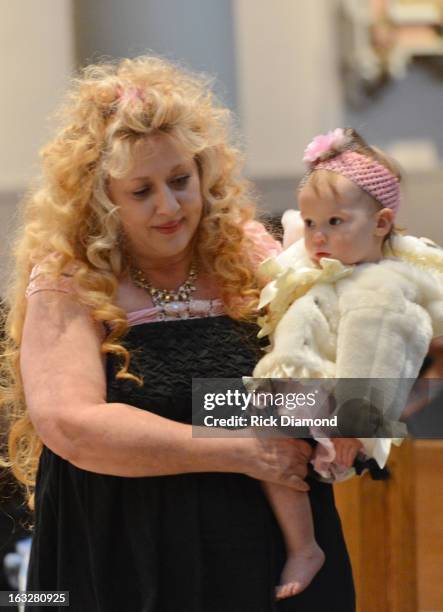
x: 379, y: 523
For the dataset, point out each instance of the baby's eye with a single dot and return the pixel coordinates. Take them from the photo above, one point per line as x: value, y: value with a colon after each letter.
x: 309, y: 223
x: 180, y: 182
x: 335, y: 221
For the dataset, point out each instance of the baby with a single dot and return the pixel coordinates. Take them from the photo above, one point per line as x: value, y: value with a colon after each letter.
x: 352, y: 300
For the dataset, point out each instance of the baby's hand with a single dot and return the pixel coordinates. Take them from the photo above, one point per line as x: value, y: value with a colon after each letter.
x: 346, y: 450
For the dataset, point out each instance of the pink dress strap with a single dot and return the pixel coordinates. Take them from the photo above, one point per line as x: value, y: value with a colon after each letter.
x: 39, y: 281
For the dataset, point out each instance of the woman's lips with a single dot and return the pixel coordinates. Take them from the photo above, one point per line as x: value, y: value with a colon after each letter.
x: 168, y: 228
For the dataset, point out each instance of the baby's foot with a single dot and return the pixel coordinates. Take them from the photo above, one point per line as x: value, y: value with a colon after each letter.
x: 299, y: 570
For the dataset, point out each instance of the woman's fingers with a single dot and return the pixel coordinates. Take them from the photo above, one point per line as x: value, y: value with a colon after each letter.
x: 283, y: 461
x: 303, y: 448
x: 297, y: 483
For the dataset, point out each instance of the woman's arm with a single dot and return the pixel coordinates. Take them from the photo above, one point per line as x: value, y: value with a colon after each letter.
x: 64, y: 381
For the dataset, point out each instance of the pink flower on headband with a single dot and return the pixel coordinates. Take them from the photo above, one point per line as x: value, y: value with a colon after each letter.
x: 323, y: 145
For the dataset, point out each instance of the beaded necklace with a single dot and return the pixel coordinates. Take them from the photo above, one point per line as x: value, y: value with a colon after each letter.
x: 165, y: 299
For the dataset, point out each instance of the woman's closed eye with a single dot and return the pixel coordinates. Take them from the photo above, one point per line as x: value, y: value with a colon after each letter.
x: 142, y: 193
x: 180, y: 182
x: 177, y: 182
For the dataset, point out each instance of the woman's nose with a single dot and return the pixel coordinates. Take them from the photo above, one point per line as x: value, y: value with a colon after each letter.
x: 166, y: 202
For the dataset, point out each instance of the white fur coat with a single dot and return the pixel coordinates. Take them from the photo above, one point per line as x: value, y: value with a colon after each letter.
x: 368, y: 321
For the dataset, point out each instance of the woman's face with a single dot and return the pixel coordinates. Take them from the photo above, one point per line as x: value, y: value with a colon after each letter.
x: 159, y: 200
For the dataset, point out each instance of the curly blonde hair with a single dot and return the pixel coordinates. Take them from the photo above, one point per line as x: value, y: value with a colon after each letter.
x: 109, y: 108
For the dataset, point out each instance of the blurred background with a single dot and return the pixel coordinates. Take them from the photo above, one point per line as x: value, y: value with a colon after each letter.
x: 289, y: 69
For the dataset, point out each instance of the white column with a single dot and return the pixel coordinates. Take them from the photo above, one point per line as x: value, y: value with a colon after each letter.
x: 36, y: 56
x: 288, y: 82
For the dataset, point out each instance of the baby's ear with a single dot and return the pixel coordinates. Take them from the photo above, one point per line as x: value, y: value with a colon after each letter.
x: 293, y: 227
x: 385, y: 221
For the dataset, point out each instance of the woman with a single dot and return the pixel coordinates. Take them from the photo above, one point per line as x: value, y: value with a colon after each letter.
x: 143, y: 228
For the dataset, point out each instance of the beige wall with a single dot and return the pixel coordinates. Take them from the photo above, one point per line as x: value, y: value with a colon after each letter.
x: 36, y: 59
x: 8, y: 223
x: 36, y: 55
x: 287, y: 90
x: 422, y: 210
x: 287, y: 84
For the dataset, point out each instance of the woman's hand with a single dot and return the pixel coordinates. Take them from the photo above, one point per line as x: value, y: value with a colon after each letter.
x: 280, y: 460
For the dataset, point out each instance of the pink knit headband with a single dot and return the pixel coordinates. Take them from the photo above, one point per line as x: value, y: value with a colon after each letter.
x: 334, y: 152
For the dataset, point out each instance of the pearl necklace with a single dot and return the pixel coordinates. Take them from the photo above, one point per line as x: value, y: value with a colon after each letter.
x: 163, y: 297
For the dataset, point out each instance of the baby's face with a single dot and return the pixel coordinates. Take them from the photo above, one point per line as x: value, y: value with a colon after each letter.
x: 341, y: 225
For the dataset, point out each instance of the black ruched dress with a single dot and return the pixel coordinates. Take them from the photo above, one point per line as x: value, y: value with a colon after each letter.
x: 187, y: 543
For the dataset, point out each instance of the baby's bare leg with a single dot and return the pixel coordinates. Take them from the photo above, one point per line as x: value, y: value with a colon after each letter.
x: 304, y: 556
